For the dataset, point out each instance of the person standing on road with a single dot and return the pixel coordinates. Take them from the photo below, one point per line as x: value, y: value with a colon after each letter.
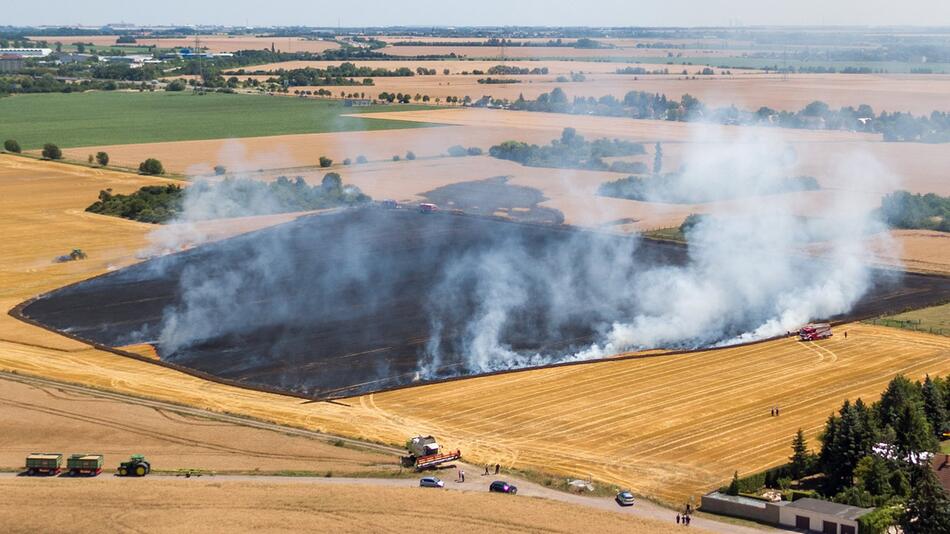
x: 497, y: 468
x: 677, y: 519
x: 462, y: 475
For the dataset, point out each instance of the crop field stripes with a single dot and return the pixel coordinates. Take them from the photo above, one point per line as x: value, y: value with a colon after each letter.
x: 671, y: 425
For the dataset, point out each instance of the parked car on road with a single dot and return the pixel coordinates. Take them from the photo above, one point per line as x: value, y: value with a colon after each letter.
x: 431, y: 482
x: 500, y: 486
x: 624, y: 498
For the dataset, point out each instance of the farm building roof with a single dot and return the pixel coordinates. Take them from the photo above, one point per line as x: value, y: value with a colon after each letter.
x: 842, y: 511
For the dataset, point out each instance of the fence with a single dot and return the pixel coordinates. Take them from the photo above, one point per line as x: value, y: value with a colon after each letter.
x: 910, y: 324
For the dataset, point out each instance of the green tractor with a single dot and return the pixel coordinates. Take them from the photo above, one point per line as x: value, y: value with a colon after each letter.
x: 137, y: 466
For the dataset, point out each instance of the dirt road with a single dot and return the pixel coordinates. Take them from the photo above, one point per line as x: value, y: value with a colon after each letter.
x: 474, y: 483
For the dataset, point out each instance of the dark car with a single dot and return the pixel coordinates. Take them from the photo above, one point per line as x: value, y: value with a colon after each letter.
x: 624, y: 498
x: 500, y: 486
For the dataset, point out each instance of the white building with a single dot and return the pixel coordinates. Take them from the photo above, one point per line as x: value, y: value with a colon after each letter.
x: 821, y: 516
x: 26, y: 52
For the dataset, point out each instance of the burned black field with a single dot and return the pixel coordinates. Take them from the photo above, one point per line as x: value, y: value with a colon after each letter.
x: 364, y: 300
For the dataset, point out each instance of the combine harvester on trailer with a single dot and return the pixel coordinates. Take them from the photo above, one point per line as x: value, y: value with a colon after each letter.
x: 44, y: 463
x: 424, y: 454
x: 815, y: 331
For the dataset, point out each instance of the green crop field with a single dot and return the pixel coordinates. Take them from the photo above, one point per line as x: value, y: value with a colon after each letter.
x: 935, y: 320
x: 111, y: 118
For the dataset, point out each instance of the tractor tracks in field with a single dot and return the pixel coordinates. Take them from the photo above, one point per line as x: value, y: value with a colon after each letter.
x: 184, y: 412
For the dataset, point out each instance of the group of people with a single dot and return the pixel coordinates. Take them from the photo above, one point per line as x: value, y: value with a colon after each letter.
x: 487, y: 472
x: 685, y: 517
x: 775, y: 411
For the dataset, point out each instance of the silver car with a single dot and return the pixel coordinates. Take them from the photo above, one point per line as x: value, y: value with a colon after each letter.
x: 431, y: 482
x: 625, y: 498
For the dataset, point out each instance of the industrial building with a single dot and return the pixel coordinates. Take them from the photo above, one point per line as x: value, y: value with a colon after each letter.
x: 11, y: 63
x: 26, y: 52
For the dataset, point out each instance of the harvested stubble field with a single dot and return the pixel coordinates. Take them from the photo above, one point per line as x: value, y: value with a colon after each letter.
x: 214, y: 43
x: 457, y: 66
x: 917, y: 94
x: 670, y: 426
x: 207, y: 505
x: 46, y: 418
x: 467, y: 127
x: 552, y: 52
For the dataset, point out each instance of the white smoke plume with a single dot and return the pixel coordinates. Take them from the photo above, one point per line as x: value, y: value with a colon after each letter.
x: 748, y: 276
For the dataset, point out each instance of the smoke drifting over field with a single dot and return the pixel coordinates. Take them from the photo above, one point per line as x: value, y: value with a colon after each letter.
x: 493, y: 303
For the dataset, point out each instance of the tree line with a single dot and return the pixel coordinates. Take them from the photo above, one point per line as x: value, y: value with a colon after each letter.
x: 902, y: 209
x: 232, y: 197
x: 896, y: 126
x: 876, y: 455
x: 571, y: 151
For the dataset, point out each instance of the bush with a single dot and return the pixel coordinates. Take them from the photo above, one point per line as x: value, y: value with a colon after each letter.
x: 177, y: 85
x: 102, y: 158
x: 457, y: 151
x: 151, y: 166
x: 325, y: 161
x: 734, y: 486
x: 10, y: 145
x: 410, y: 155
x: 396, y: 158
x: 474, y: 151
x: 220, y: 170
x: 51, y: 151
x: 361, y: 159
x: 347, y: 161
x: 879, y: 520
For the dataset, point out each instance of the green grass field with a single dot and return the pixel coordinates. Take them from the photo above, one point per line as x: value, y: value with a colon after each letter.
x: 112, y: 118
x: 935, y: 320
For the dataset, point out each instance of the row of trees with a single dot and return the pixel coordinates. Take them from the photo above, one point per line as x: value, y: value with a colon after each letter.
x: 878, y: 456
x: 571, y: 151
x: 229, y: 198
x: 902, y: 209
x: 895, y: 126
x: 51, y: 151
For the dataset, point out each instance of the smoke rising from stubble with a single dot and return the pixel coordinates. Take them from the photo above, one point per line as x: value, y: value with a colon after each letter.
x: 748, y: 273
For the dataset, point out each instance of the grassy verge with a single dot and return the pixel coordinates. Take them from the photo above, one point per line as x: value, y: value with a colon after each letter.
x: 119, y: 117
x: 935, y: 320
x: 79, y: 163
x: 560, y: 483
x: 666, y: 234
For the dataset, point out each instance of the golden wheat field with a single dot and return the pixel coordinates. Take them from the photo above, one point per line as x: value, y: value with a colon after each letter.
x: 212, y: 42
x: 669, y: 426
x: 209, y: 505
x: 918, y: 94
x: 41, y: 417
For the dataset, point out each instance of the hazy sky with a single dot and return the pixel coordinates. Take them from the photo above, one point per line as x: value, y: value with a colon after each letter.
x: 482, y: 12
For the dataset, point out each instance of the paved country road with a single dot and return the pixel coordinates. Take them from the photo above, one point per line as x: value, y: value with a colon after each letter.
x: 474, y: 480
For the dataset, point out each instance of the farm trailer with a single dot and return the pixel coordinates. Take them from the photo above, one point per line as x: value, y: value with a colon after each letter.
x: 84, y: 464
x: 44, y: 463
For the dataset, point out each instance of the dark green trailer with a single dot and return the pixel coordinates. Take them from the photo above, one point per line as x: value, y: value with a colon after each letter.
x: 44, y: 463
x: 84, y: 464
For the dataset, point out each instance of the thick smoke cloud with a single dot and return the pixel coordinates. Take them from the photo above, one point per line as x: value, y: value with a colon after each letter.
x: 750, y: 273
